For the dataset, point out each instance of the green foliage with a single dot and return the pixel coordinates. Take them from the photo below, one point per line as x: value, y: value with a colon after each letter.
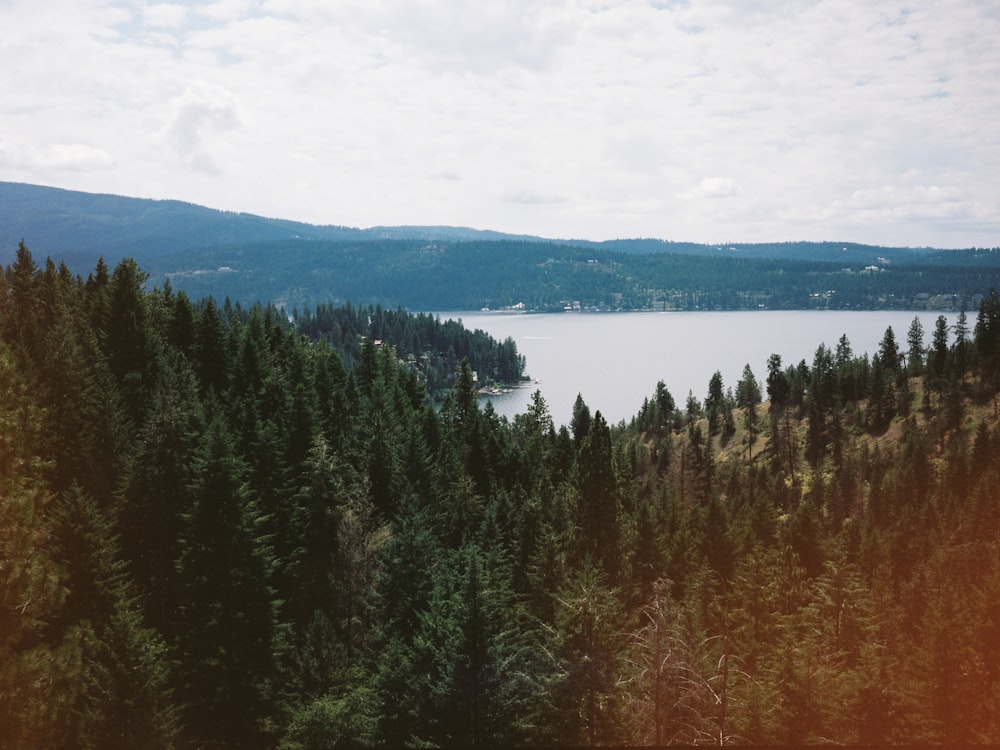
x: 125, y: 699
x: 221, y: 527
x: 331, y: 722
x: 434, y: 347
x: 40, y: 676
x: 589, y: 640
x: 226, y: 621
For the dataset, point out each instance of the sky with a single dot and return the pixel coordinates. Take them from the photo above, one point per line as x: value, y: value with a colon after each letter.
x: 688, y: 120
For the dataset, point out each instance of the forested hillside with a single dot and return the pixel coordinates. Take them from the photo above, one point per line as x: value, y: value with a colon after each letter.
x: 80, y: 227
x: 218, y: 530
x: 471, y: 275
x: 297, y: 266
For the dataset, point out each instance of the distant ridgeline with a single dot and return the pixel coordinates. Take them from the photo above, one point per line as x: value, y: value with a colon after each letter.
x: 249, y: 258
x: 502, y: 274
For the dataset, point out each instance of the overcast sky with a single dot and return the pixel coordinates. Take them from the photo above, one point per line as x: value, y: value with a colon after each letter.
x: 706, y: 120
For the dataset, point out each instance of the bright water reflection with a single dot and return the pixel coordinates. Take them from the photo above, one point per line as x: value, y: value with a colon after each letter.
x: 615, y: 359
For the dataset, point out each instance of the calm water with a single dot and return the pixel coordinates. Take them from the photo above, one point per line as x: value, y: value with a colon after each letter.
x: 615, y: 359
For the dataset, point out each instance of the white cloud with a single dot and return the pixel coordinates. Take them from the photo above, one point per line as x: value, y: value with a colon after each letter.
x: 530, y: 197
x: 201, y: 113
x: 712, y: 187
x: 165, y: 15
x: 77, y: 156
x: 60, y: 157
x: 445, y: 35
x: 894, y: 203
x: 562, y: 117
x: 228, y: 10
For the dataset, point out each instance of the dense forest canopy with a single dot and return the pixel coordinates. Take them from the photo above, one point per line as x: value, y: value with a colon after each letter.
x: 434, y: 348
x: 223, y: 528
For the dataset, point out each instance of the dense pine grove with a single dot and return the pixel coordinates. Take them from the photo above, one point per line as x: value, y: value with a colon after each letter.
x: 223, y: 528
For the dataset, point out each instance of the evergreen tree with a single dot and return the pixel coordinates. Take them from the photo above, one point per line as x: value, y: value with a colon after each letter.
x: 599, y: 503
x: 97, y: 298
x: 226, y: 622
x: 158, y: 492
x: 586, y: 686
x: 915, y: 351
x: 125, y: 700
x: 132, y: 349
x: 881, y: 396
x: 484, y: 680
x: 667, y: 691
x: 84, y: 424
x: 960, y: 349
x: 937, y: 357
x: 821, y: 405
x: 210, y: 352
x: 988, y: 344
x: 888, y: 351
x: 692, y: 408
x: 665, y: 406
x: 20, y: 305
x: 747, y: 398
x: 580, y: 423
x: 714, y: 402
x: 40, y: 676
x: 404, y: 586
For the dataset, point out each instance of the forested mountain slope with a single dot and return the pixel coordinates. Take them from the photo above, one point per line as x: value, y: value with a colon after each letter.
x: 218, y: 532
x: 80, y: 227
x: 249, y: 258
x: 552, y: 277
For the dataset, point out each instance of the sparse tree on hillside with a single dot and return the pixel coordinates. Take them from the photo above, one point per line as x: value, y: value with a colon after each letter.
x: 747, y: 398
x: 915, y: 352
x: 714, y: 402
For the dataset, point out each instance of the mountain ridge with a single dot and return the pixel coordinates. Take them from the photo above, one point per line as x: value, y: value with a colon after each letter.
x: 50, y: 221
x: 73, y: 223
x: 250, y: 258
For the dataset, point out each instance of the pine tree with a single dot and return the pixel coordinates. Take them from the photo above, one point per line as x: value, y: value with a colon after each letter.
x: 210, y: 351
x: 888, y: 351
x: 84, y: 420
x: 226, y: 621
x: 39, y: 676
x: 778, y: 392
x: 988, y: 344
x: 667, y: 692
x: 747, y: 398
x: 915, y: 353
x: 580, y: 423
x: 599, y: 502
x: 590, y: 638
x: 937, y: 357
x: 20, y: 307
x: 881, y: 396
x: 665, y: 406
x: 131, y: 346
x: 482, y: 676
x: 157, y: 493
x: 714, y: 402
x: 961, y: 347
x: 125, y: 700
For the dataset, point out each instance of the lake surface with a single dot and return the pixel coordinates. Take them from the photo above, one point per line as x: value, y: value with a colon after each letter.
x: 615, y: 359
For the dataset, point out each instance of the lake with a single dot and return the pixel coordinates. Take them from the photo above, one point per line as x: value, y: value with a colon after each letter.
x: 615, y: 359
